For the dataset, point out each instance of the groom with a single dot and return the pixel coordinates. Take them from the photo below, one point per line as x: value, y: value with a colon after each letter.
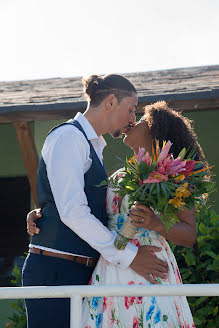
x: 73, y: 227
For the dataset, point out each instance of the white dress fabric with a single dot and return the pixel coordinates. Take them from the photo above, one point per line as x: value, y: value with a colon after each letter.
x: 135, y: 312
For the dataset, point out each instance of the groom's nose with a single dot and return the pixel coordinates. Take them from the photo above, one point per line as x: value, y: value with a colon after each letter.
x: 133, y: 119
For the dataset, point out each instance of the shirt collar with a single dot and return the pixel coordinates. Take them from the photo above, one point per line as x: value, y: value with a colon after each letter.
x: 88, y: 129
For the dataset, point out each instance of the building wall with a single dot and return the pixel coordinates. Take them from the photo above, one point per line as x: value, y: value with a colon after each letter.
x: 11, y: 161
x: 206, y: 127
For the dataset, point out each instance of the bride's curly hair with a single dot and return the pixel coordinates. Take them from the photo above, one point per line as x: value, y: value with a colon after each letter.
x: 166, y: 123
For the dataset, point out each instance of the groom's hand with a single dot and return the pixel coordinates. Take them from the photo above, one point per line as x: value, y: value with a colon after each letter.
x: 146, y: 264
x: 32, y: 229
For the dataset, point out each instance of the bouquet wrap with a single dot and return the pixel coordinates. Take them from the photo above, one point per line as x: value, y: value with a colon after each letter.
x: 126, y: 233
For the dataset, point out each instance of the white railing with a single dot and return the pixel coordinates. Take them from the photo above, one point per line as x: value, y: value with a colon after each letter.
x: 76, y: 293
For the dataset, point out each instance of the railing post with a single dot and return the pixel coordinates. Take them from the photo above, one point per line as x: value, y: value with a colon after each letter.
x: 75, y: 311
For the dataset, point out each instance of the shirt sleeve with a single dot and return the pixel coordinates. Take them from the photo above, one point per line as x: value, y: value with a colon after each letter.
x: 66, y: 156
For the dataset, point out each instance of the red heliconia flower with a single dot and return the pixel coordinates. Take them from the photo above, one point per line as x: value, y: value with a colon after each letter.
x: 189, y: 167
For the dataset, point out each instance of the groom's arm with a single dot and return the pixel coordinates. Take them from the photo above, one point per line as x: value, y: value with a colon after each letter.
x: 144, y: 262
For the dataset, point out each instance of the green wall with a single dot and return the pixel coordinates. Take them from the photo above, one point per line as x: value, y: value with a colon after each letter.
x: 11, y: 161
x: 41, y: 129
x: 206, y: 128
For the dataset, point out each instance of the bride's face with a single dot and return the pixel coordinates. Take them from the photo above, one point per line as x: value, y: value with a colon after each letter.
x: 139, y: 136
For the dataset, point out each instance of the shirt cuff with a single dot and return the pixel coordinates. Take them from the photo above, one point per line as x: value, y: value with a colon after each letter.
x: 126, y: 256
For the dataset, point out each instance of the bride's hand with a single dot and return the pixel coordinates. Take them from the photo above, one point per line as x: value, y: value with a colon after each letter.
x: 143, y: 217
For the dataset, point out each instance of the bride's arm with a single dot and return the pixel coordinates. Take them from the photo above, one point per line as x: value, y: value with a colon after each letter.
x: 182, y: 233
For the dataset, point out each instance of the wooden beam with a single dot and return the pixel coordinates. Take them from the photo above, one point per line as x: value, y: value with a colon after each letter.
x: 192, y: 105
x: 29, y: 153
x: 35, y: 114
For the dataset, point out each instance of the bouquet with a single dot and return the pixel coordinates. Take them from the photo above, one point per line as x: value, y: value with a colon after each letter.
x: 163, y: 183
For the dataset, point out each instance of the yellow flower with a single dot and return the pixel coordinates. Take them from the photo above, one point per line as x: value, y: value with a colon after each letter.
x: 176, y: 202
x: 183, y: 191
x: 180, y: 177
x: 131, y: 160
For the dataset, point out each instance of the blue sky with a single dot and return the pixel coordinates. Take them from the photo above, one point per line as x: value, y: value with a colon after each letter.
x: 66, y: 38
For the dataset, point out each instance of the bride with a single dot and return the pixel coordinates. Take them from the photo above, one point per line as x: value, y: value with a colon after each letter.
x: 162, y: 123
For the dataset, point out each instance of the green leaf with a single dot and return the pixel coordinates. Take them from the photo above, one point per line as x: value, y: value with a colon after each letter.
x: 211, y: 254
x: 186, y: 274
x: 182, y: 153
x: 215, y: 311
x: 103, y: 183
x: 97, y: 277
x: 151, y: 189
x: 158, y: 190
x: 202, y: 228
x: 163, y: 188
x: 201, y: 300
x: 197, y: 321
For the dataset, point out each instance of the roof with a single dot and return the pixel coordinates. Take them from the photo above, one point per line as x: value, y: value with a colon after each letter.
x: 195, y: 88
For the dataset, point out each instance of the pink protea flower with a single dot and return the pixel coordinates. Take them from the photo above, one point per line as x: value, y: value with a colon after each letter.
x: 147, y: 159
x: 177, y: 166
x: 164, y: 152
x: 164, y: 165
x: 140, y: 154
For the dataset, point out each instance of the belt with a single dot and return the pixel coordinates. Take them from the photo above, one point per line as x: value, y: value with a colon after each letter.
x: 88, y: 261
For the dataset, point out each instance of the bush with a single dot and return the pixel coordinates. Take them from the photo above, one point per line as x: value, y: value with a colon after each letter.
x: 200, y: 265
x: 18, y: 318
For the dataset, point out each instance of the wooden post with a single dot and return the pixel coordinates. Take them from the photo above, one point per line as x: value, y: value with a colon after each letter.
x: 29, y: 153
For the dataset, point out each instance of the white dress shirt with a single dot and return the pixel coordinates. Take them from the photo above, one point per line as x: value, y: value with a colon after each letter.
x: 66, y: 154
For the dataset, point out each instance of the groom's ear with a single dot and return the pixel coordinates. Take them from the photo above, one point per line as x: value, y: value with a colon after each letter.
x: 111, y: 102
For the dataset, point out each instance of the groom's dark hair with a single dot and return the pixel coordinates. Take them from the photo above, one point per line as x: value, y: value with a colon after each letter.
x: 98, y: 88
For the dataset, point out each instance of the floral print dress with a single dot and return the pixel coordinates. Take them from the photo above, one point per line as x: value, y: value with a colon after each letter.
x: 135, y: 312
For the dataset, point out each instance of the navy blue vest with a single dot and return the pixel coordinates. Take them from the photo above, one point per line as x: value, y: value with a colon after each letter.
x: 53, y: 232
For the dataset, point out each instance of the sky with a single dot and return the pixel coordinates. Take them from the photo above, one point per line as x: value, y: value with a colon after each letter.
x: 67, y: 38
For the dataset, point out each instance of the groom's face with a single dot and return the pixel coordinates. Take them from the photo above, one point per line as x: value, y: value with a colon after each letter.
x: 123, y: 117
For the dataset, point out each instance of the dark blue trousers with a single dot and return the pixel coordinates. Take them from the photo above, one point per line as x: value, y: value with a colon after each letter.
x: 40, y: 270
